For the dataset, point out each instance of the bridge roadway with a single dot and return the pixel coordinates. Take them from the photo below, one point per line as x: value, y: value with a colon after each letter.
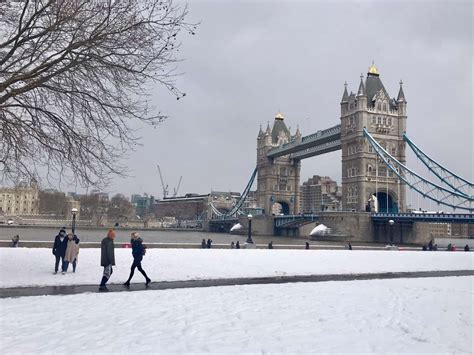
x: 296, y: 220
x: 321, y: 142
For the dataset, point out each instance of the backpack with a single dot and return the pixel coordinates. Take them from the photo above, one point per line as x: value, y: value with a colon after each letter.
x: 144, y: 249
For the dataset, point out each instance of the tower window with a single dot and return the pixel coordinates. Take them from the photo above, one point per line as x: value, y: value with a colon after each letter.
x: 384, y: 107
x: 385, y: 120
x: 374, y: 120
x: 390, y: 121
x: 379, y: 106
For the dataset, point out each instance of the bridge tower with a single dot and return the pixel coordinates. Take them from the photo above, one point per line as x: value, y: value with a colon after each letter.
x: 363, y: 175
x: 278, y: 178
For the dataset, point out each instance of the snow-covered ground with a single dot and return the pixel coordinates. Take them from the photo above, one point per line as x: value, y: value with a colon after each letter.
x: 28, y: 266
x: 430, y: 315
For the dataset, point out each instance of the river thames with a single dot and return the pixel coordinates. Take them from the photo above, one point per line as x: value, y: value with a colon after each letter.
x: 150, y: 236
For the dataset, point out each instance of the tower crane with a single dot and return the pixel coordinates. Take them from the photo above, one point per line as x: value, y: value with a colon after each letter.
x: 165, y: 188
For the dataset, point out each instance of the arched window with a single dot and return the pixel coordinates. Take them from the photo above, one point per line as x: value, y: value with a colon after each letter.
x: 384, y: 107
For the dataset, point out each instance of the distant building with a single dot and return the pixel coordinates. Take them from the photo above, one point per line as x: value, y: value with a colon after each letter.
x: 320, y: 193
x: 21, y: 200
x: 196, y: 206
x: 143, y: 204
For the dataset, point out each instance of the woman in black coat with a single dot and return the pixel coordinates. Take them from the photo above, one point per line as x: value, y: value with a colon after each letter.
x: 138, y: 250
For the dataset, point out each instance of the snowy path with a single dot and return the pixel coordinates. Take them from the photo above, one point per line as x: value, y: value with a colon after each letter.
x: 172, y: 285
x: 33, y: 267
x: 432, y: 315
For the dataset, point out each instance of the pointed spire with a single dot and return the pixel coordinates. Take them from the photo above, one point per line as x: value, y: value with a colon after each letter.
x: 345, y: 96
x: 361, y: 91
x: 260, y: 132
x: 298, y: 133
x: 401, y: 94
x: 268, y: 131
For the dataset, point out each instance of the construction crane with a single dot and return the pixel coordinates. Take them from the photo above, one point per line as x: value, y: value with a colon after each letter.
x: 165, y: 188
x: 175, y: 190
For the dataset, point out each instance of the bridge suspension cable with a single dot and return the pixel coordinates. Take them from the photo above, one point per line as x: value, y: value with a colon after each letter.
x: 236, y: 208
x: 426, y: 188
x: 446, y: 176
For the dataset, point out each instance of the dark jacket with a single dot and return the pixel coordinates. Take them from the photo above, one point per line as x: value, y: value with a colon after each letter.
x: 137, y: 249
x: 59, y: 247
x: 107, y: 256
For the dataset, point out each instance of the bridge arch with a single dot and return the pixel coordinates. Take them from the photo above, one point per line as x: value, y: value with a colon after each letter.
x: 387, y: 201
x: 280, y: 207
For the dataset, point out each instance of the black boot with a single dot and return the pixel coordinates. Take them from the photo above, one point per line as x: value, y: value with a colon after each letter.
x: 148, y: 280
x: 127, y: 284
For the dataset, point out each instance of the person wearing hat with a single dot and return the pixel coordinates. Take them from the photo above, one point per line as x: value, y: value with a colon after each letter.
x: 107, y: 258
x: 138, y: 250
x: 59, y: 249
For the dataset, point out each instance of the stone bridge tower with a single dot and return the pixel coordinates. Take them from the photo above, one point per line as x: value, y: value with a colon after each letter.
x: 363, y: 175
x: 279, y: 178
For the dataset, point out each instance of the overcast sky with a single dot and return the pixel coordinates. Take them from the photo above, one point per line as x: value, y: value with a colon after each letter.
x: 250, y: 59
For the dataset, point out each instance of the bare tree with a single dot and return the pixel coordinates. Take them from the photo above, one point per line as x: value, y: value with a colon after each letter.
x: 74, y: 76
x: 120, y: 207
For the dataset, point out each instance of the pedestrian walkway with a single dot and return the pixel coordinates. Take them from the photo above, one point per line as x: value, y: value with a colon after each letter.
x: 169, y: 285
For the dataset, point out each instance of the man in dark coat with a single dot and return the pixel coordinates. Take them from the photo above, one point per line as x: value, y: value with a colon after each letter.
x: 107, y: 258
x: 138, y: 250
x: 59, y: 249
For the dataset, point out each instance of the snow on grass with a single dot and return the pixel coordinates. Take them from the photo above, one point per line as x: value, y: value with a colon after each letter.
x: 429, y: 315
x: 29, y: 266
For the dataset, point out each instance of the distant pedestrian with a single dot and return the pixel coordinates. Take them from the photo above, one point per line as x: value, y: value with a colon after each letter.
x: 15, y: 240
x: 435, y: 247
x: 59, y: 249
x: 138, y: 250
x: 450, y: 247
x: 209, y: 244
x: 466, y: 248
x: 72, y: 252
x: 237, y: 245
x: 270, y: 245
x: 424, y: 248
x: 349, y: 246
x: 306, y: 246
x: 203, y: 244
x: 232, y: 245
x: 107, y: 258
x: 430, y: 245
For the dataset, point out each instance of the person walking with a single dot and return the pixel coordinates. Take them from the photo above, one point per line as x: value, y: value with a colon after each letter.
x: 107, y: 258
x: 270, y: 245
x: 237, y: 245
x: 203, y: 244
x: 59, y: 249
x: 209, y: 244
x: 15, y: 240
x: 138, y: 250
x: 232, y: 245
x: 72, y: 252
x: 307, y: 246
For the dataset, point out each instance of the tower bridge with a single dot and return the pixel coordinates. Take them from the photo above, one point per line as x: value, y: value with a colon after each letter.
x: 372, y: 138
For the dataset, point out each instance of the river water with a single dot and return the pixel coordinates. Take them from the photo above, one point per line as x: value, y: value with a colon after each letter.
x: 150, y: 236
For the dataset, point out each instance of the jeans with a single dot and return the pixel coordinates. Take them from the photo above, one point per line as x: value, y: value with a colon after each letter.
x: 66, y: 265
x: 56, y: 265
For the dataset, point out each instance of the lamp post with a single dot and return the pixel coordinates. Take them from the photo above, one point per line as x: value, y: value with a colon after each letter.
x: 73, y: 227
x: 391, y: 222
x: 249, y: 237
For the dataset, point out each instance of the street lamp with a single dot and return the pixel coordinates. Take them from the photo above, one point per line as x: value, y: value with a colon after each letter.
x: 74, y: 212
x: 391, y: 222
x: 249, y: 238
